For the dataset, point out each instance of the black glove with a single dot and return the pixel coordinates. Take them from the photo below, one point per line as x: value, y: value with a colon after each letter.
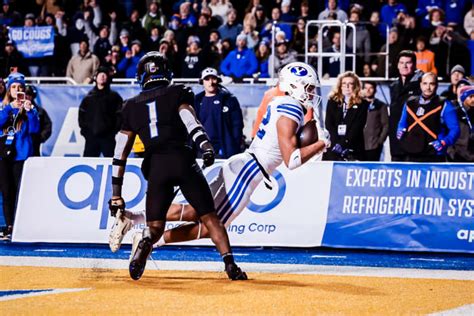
x: 116, y: 204
x: 208, y: 157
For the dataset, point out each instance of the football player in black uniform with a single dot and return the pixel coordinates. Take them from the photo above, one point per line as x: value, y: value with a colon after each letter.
x: 163, y: 117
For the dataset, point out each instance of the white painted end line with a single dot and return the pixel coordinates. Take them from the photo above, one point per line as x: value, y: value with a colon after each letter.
x: 49, y: 250
x: 426, y: 259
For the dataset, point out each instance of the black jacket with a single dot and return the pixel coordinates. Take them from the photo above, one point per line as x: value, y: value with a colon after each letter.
x: 354, y: 120
x: 229, y: 123
x: 44, y: 132
x: 399, y: 94
x: 100, y: 113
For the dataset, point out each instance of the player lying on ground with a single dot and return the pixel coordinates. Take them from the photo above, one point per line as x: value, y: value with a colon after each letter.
x: 163, y: 118
x: 275, y: 142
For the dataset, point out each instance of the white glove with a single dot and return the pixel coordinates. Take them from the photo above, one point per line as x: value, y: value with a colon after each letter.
x: 323, y: 134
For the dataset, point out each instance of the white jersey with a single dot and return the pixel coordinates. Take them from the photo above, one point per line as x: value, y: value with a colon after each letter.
x: 265, y: 145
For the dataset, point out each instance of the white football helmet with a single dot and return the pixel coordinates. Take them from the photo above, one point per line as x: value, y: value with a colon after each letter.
x: 301, y: 82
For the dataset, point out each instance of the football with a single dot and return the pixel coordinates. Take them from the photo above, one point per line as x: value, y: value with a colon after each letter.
x: 308, y: 134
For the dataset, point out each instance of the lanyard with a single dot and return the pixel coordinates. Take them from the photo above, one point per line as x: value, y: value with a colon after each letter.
x: 344, y: 110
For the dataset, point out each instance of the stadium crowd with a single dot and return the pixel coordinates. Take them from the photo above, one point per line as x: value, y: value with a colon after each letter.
x: 235, y: 36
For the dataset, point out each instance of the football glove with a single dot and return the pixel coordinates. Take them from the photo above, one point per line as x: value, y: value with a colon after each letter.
x: 208, y: 157
x: 438, y: 145
x: 116, y: 204
x: 400, y: 133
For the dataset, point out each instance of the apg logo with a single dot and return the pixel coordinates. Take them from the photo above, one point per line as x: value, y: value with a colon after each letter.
x: 96, y: 196
x: 93, y: 192
x: 465, y: 234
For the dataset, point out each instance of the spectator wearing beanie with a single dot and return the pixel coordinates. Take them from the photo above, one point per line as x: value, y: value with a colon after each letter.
x: 100, y: 116
x: 463, y: 149
x: 18, y: 119
x: 456, y: 74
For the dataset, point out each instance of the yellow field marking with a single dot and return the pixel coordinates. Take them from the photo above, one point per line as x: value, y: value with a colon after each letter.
x: 210, y: 293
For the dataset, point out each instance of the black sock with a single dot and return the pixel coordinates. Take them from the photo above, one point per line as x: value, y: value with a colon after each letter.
x: 228, y: 258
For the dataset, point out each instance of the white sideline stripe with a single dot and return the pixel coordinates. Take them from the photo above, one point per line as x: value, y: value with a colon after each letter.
x: 88, y: 263
x: 45, y: 292
x: 462, y: 310
x: 49, y: 250
x: 427, y: 259
x: 322, y: 256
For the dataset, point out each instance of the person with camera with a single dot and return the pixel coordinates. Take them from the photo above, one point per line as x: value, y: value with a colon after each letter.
x: 346, y: 115
x: 18, y: 121
x: 100, y: 116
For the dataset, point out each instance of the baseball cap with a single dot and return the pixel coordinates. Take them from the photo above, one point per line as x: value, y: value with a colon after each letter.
x: 124, y: 32
x: 458, y: 68
x: 30, y: 16
x: 136, y: 42
x: 209, y: 71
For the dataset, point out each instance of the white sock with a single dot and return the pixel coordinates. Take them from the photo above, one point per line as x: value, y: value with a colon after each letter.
x: 160, y: 242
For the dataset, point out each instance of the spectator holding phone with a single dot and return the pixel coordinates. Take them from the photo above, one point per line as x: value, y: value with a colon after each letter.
x: 18, y: 120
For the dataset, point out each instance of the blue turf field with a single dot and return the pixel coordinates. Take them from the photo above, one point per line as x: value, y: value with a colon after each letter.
x: 313, y: 256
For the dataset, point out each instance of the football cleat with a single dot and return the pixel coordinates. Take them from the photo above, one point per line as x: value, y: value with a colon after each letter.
x: 119, y: 229
x: 139, y: 258
x: 235, y: 273
x: 135, y: 241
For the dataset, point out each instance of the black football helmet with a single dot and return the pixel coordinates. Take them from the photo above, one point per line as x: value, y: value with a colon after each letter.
x: 153, y: 68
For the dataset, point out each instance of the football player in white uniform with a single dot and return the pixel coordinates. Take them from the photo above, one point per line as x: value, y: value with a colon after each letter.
x: 275, y: 142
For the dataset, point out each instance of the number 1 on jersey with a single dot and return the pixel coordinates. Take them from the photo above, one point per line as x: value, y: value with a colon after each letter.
x: 153, y: 114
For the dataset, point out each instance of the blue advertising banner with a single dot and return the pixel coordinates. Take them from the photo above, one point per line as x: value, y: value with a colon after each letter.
x: 33, y: 42
x: 422, y: 207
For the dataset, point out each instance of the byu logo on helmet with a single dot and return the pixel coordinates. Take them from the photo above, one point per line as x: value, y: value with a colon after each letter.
x: 299, y: 71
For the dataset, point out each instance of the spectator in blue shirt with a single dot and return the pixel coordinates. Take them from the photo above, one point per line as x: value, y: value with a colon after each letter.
x: 241, y: 62
x: 18, y: 120
x: 389, y: 12
x: 128, y: 65
x: 424, y: 8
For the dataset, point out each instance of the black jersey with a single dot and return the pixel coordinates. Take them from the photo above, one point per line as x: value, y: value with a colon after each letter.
x: 154, y: 116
